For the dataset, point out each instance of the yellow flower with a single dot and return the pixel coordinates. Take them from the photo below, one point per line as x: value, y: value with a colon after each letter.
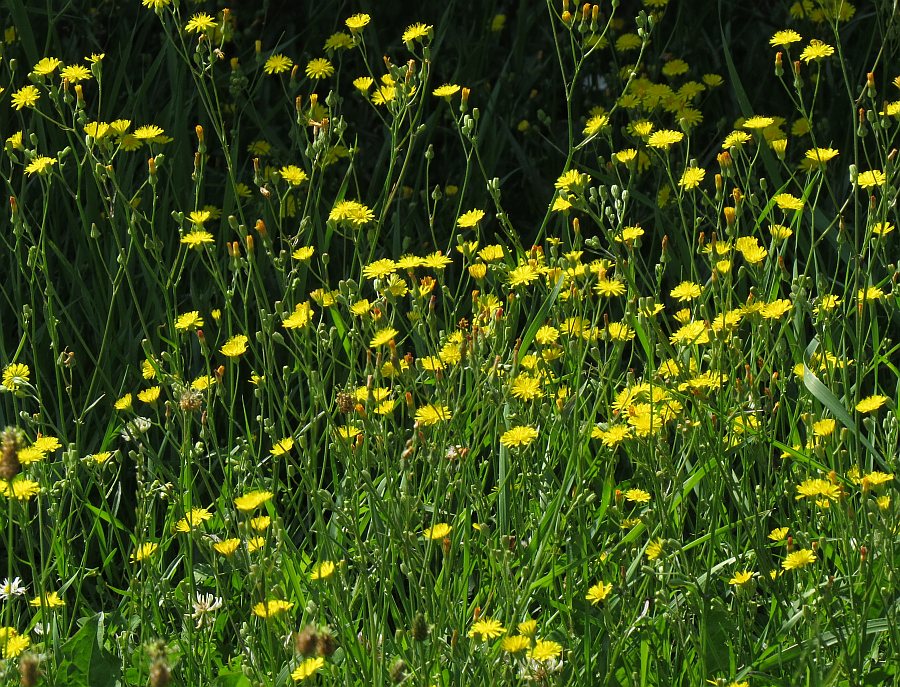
x: 148, y: 131
x: 123, y: 403
x: 379, y: 269
x: 654, y: 549
x: 282, y: 446
x: 298, y: 319
x: 12, y: 644
x: 437, y: 531
x: 871, y: 403
x: 446, y: 91
x: 470, y: 219
x: 545, y: 650
x: 40, y: 165
x: 20, y: 489
x: 741, y: 578
x: 193, y: 518
x: 252, y: 500
x: 357, y: 22
x: 798, y: 559
x: 779, y: 533
x: 637, y: 496
x: 818, y: 488
x: 15, y: 375
x: 149, y: 396
x: 46, y: 66
x: 432, y: 414
x: 319, y: 68
x: 49, y: 600
x: 272, y: 607
x: 686, y: 291
x: 664, y: 138
x: 816, y: 50
x: 292, y: 174
x: 200, y: 23
x: 144, y: 551
x: 521, y: 435
x: 323, y: 570
x: 599, y: 592
x: 871, y: 178
x: 383, y: 337
x: 307, y: 668
x: 189, y: 321
x: 486, y: 628
x: 515, y: 643
x: 277, y: 64
x: 197, y: 238
x: 758, y: 122
x: 823, y: 428
x: 235, y: 347
x: 416, y: 32
x: 691, y: 178
x: 303, y: 253
x: 786, y: 201
x: 596, y: 124
x: 227, y: 547
x: 27, y: 96
x: 784, y: 37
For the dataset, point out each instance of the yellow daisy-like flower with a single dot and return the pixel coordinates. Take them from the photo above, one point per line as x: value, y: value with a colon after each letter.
x: 741, y: 578
x: 272, y: 608
x: 193, y: 518
x: 147, y: 132
x: 521, y: 435
x: 46, y: 66
x: 292, y: 174
x: 694, y: 333
x: 227, y: 547
x: 596, y: 124
x: 416, y: 32
x: 197, y: 238
x: 277, y: 64
x: 124, y: 403
x: 513, y: 644
x: 298, y: 319
x: 282, y: 446
x: 252, y: 500
x: 691, y: 178
x: 785, y: 37
x: 599, y: 592
x: 818, y: 157
x: 446, y: 91
x: 816, y: 50
x: 323, y: 570
x: 758, y: 122
x: 786, y: 201
x: 818, y: 489
x: 871, y: 178
x: 798, y: 559
x: 871, y: 403
x: 149, y: 396
x: 15, y: 375
x: 319, y: 68
x: 20, y: 489
x: 654, y: 549
x: 438, y: 531
x: 12, y: 644
x: 779, y: 533
x: 664, y: 138
x: 307, y: 668
x: 27, y: 96
x: 637, y: 496
x: 75, y: 73
x: 200, y: 23
x: 545, y: 650
x: 189, y: 321
x: 486, y: 628
x: 144, y: 551
x: 470, y: 219
x: 686, y: 291
x: 40, y: 165
x: 432, y: 414
x: 49, y: 600
x: 235, y: 347
x: 882, y: 228
x: 357, y: 22
x: 824, y: 428
x: 303, y: 253
x: 869, y: 293
x: 379, y: 269
x: 100, y: 458
x: 625, y: 156
x: 383, y: 337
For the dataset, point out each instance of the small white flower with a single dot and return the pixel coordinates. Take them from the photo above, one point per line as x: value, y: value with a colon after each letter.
x: 10, y: 588
x: 205, y: 605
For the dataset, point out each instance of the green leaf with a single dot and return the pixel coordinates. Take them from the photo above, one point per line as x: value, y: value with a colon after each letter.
x: 84, y: 660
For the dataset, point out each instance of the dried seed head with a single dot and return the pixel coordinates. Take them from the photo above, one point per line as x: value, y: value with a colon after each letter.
x: 11, y: 440
x: 305, y: 641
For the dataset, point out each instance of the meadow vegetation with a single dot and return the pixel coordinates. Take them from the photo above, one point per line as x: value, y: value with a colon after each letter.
x: 340, y: 348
